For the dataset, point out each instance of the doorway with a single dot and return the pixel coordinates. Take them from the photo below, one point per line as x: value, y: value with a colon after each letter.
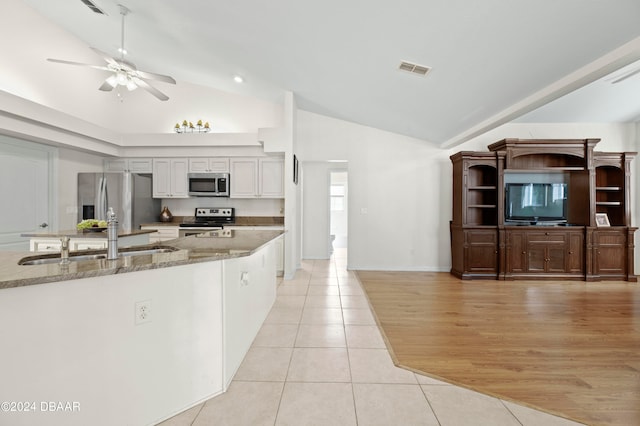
x: 324, y: 208
x: 338, y: 206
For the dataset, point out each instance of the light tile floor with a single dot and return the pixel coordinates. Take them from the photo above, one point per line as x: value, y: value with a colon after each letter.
x: 319, y: 359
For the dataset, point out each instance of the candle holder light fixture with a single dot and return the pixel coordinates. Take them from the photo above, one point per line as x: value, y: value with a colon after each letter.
x: 188, y: 127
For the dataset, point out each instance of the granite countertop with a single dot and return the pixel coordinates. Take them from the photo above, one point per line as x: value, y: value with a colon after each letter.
x: 75, y: 233
x: 205, y: 247
x: 239, y: 221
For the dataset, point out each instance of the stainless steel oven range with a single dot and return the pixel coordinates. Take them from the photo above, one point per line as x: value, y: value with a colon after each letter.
x: 208, y: 219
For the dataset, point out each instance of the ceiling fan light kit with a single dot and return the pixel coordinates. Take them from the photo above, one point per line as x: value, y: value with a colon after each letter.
x: 124, y: 73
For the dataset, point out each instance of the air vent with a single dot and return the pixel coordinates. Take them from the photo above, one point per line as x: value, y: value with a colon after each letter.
x: 93, y: 7
x: 414, y: 68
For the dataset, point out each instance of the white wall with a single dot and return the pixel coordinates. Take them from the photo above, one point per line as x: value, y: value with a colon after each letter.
x: 404, y: 184
x: 399, y: 193
x: 315, y: 221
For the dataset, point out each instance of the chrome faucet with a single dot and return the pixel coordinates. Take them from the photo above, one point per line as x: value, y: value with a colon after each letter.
x: 64, y: 250
x: 112, y: 235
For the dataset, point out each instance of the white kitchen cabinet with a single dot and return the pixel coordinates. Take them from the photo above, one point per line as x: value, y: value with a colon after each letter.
x: 271, y: 177
x: 244, y: 177
x: 257, y: 177
x: 170, y: 178
x: 52, y: 244
x: 279, y: 243
x: 279, y: 251
x: 163, y: 233
x: 209, y: 165
x: 92, y: 244
x: 45, y: 244
x: 249, y: 293
x: 133, y: 165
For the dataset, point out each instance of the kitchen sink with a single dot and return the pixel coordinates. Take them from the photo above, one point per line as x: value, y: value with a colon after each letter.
x: 37, y: 260
x: 149, y: 250
x: 125, y: 252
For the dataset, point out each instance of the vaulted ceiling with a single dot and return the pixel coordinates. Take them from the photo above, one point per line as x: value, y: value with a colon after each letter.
x: 491, y: 61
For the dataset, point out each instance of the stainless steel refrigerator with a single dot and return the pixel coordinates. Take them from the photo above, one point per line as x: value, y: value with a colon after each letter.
x: 130, y: 195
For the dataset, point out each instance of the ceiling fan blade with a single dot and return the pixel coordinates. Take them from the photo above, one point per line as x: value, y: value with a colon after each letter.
x: 62, y: 61
x: 106, y: 87
x: 146, y: 86
x: 158, y: 77
x: 106, y: 57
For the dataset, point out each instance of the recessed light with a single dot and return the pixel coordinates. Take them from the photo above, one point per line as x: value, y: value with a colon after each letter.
x: 238, y: 79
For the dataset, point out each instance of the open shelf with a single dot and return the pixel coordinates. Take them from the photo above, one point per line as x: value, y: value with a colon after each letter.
x: 610, y: 193
x: 482, y: 188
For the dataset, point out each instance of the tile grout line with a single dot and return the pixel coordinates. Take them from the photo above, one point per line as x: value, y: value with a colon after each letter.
x: 284, y: 383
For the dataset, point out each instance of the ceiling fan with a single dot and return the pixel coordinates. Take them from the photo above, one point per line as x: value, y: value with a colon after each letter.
x: 124, y: 73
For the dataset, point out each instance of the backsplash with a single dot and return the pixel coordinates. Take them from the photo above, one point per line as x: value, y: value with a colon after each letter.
x: 244, y: 207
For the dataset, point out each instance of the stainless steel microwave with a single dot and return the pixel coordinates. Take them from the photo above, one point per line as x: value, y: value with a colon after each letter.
x: 208, y: 184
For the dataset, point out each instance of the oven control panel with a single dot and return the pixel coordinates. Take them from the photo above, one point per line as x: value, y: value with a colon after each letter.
x: 205, y: 212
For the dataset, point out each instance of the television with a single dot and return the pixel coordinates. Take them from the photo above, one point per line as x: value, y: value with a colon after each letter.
x: 536, y: 203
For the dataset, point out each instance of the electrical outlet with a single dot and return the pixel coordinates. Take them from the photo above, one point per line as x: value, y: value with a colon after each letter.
x: 143, y: 312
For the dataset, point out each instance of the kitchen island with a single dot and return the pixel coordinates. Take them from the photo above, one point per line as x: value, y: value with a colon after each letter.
x: 134, y: 340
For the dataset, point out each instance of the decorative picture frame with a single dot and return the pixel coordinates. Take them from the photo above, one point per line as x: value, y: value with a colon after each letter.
x: 295, y: 169
x: 602, y: 220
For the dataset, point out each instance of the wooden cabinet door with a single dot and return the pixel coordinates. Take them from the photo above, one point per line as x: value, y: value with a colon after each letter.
x: 536, y: 257
x: 516, y: 252
x: 610, y: 253
x: 481, y: 253
x: 556, y: 259
x: 575, y: 257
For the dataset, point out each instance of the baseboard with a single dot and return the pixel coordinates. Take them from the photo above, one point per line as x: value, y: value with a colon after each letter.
x: 399, y: 269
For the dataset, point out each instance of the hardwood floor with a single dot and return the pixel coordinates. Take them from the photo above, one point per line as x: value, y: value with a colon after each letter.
x: 568, y: 348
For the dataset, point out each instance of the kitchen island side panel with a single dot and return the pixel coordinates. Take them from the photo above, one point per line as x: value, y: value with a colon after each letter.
x: 77, y: 341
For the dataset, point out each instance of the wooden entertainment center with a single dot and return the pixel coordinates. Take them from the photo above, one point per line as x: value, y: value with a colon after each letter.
x: 493, y: 239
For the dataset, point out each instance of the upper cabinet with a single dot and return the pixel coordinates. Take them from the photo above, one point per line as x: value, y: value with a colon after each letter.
x: 133, y: 165
x: 209, y: 165
x: 170, y: 178
x: 253, y: 177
